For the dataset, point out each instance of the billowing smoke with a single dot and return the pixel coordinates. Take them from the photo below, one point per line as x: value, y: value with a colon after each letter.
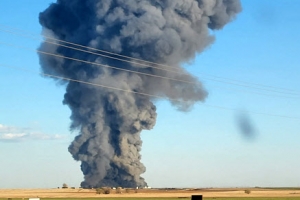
x: 109, y: 121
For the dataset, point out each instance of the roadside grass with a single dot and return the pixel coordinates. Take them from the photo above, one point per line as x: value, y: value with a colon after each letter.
x: 120, y: 198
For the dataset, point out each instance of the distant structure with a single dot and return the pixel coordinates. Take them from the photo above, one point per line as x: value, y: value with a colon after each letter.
x: 65, y: 186
x: 197, y: 197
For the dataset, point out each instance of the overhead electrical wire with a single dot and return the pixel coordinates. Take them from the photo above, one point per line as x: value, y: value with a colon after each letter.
x: 138, y: 93
x: 50, y: 38
x: 102, y: 65
x: 253, y: 92
x: 127, y: 70
x: 93, y: 63
x: 66, y: 42
x: 248, y: 85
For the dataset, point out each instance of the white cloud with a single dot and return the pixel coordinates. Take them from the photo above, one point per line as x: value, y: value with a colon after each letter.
x: 14, y: 134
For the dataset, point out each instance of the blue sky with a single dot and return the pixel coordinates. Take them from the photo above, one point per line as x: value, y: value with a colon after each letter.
x: 200, y: 148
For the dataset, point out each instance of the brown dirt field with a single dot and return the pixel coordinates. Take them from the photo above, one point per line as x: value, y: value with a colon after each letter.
x: 85, y: 193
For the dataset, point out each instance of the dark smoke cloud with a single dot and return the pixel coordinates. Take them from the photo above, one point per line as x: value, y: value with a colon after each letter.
x: 246, y: 125
x: 109, y: 121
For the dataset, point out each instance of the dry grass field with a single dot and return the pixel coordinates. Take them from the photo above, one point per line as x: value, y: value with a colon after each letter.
x: 153, y: 193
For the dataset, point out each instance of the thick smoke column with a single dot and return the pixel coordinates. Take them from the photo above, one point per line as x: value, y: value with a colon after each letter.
x: 110, y: 122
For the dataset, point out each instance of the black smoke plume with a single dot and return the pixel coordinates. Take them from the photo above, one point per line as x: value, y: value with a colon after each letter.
x: 110, y: 122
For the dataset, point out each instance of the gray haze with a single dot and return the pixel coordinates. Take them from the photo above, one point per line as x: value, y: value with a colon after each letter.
x: 109, y: 121
x: 245, y: 125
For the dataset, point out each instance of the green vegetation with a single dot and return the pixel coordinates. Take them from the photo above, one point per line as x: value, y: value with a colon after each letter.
x: 254, y: 198
x: 120, y: 198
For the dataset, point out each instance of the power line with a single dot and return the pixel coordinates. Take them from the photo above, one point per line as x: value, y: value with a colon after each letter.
x: 292, y: 92
x: 139, y: 93
x: 99, y: 50
x: 127, y: 70
x: 251, y: 92
x: 86, y: 51
x: 94, y: 63
x: 79, y: 81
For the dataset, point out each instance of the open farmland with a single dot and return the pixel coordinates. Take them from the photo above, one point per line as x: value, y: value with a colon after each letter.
x: 221, y: 198
x: 158, y: 198
x: 154, y: 194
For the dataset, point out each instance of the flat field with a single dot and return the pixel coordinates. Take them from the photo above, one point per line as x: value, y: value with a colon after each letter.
x: 233, y: 198
x: 154, y: 194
